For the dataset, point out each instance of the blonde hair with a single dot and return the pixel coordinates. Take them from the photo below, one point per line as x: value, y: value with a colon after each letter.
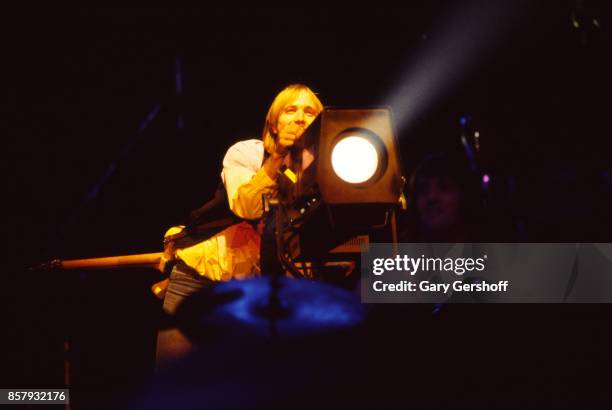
x: 286, y: 96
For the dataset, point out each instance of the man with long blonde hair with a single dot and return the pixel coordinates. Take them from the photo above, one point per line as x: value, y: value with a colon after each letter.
x: 250, y: 171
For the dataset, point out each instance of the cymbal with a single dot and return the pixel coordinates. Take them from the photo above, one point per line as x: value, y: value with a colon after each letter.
x: 265, y: 307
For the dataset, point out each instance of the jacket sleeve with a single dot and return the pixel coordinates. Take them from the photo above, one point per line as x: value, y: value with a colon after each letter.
x: 245, y: 181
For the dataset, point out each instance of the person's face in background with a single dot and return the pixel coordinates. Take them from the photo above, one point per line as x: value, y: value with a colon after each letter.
x: 438, y: 201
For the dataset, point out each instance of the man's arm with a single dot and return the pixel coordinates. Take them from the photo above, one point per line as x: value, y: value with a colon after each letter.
x: 273, y: 164
x: 246, y: 180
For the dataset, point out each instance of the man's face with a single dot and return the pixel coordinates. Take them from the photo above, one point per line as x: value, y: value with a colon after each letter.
x: 296, y: 116
x: 438, y: 203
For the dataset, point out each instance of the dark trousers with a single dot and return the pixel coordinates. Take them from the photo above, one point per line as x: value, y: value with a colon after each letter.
x: 172, y: 344
x: 268, y: 251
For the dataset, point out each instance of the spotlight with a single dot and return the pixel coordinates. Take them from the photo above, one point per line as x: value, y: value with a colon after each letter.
x: 352, y: 189
x: 358, y: 157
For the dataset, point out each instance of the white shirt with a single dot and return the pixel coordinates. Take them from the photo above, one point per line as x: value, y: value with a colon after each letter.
x: 234, y: 252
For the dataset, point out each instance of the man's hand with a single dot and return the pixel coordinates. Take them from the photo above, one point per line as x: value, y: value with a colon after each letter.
x: 159, y: 288
x: 287, y: 138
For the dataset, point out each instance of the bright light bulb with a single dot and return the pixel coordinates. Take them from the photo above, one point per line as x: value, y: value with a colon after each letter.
x: 354, y: 159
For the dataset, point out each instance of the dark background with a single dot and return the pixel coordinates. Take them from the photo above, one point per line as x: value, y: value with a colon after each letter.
x: 80, y: 83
